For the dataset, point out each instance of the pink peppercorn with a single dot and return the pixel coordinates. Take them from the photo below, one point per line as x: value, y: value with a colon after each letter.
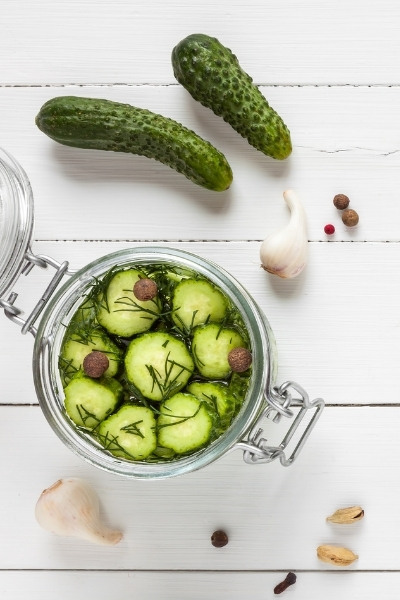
x: 329, y: 229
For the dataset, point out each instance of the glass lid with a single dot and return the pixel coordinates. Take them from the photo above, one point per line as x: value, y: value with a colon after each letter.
x: 16, y: 219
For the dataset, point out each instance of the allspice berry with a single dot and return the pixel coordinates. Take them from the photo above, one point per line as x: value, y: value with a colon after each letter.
x: 350, y: 217
x: 95, y: 364
x: 219, y: 539
x: 341, y: 201
x: 239, y: 359
x: 145, y: 289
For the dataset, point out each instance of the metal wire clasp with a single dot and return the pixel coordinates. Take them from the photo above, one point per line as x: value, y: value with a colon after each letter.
x: 279, y: 402
x: 13, y: 312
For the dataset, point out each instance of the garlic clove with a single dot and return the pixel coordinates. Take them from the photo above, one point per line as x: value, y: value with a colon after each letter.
x: 284, y: 252
x: 71, y: 507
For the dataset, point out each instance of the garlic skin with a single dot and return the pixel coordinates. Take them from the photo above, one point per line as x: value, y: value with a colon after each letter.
x: 284, y: 252
x: 70, y: 507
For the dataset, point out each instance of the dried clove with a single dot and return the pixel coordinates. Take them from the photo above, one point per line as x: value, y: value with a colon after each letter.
x: 290, y: 579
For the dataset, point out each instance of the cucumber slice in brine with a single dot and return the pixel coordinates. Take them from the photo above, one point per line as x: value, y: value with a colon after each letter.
x: 158, y: 364
x: 197, y: 301
x: 87, y: 402
x: 129, y: 433
x: 185, y: 423
x: 211, y: 345
x: 118, y: 309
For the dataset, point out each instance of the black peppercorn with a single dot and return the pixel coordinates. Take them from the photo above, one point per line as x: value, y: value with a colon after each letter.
x: 219, y: 539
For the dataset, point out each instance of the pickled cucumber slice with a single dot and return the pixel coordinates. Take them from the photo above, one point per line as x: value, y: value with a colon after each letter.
x: 197, y: 301
x: 129, y: 433
x: 75, y: 348
x: 211, y: 345
x: 185, y: 423
x: 87, y: 402
x: 120, y: 312
x: 217, y: 395
x: 158, y: 364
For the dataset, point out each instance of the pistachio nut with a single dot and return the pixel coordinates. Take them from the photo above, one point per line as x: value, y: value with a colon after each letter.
x: 351, y: 514
x: 335, y: 555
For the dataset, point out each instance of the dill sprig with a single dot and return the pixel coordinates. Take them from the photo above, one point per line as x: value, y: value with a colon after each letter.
x: 84, y: 332
x: 133, y: 428
x: 187, y: 330
x: 183, y: 418
x: 86, y: 414
x: 169, y: 381
x: 133, y: 306
x: 98, y: 288
x: 212, y: 399
x: 68, y: 370
x: 111, y: 443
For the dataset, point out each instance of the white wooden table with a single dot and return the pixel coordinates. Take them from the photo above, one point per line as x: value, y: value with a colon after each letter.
x: 331, y: 70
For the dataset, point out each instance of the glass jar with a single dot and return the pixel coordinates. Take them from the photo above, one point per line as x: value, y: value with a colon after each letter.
x: 59, y: 302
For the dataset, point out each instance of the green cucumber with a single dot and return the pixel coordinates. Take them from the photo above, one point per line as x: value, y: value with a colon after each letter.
x: 88, y: 402
x: 129, y: 433
x: 185, y: 423
x: 211, y: 345
x: 119, y: 311
x: 106, y: 125
x: 197, y: 301
x: 158, y: 365
x: 212, y: 75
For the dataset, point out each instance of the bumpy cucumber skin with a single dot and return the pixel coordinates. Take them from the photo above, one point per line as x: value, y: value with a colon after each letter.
x: 106, y: 125
x: 212, y: 75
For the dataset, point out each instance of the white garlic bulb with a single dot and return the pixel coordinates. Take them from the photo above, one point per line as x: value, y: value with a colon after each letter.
x: 71, y: 507
x: 284, y: 252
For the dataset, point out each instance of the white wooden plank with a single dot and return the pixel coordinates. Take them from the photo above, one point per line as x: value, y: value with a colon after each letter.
x: 121, y: 42
x: 197, y: 586
x: 274, y: 516
x: 336, y: 325
x: 345, y: 141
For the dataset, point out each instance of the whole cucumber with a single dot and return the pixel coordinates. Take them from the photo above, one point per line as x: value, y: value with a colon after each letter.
x: 212, y: 75
x: 107, y: 125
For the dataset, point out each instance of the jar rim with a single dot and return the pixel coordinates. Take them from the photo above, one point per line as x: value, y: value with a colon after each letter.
x: 16, y: 219
x: 48, y: 342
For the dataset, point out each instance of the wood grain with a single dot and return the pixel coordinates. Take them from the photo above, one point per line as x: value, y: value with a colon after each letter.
x: 331, y: 70
x: 200, y: 586
x: 336, y: 325
x: 345, y: 141
x: 86, y: 41
x: 274, y: 516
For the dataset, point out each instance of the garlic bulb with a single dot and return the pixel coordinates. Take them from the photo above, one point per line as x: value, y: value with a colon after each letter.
x: 71, y: 507
x: 284, y: 253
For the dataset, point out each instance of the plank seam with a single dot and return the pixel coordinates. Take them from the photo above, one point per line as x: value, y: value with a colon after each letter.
x: 206, y: 241
x: 175, y: 84
x: 202, y: 571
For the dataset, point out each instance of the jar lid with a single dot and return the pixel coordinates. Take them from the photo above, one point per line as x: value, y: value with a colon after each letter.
x: 16, y: 220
